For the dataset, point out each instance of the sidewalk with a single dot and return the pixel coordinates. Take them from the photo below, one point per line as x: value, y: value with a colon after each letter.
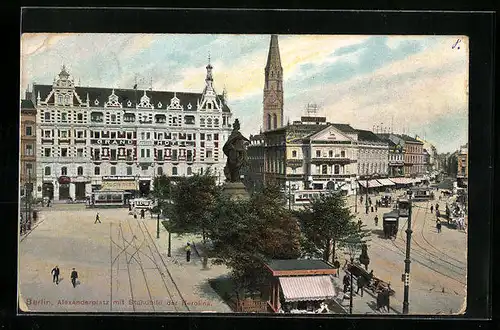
x: 190, y: 277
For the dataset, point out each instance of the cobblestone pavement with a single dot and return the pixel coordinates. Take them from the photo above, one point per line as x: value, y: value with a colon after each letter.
x: 122, y: 266
x: 438, y: 260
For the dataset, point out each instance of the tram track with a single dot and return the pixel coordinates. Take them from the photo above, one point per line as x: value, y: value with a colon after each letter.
x: 184, y: 303
x: 421, y: 254
x: 128, y: 266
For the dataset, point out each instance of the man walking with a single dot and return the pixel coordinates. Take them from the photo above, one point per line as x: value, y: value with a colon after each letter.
x: 438, y: 226
x: 432, y: 209
x: 360, y: 285
x: 376, y: 220
x: 97, y: 218
x: 74, y: 276
x: 55, y: 274
x: 188, y: 252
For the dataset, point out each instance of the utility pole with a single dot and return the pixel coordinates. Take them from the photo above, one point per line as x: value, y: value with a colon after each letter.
x: 158, y: 226
x: 406, y: 275
x: 169, y: 251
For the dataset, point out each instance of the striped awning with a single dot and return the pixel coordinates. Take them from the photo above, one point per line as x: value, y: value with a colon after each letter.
x: 304, y: 288
x: 401, y: 180
x: 371, y: 183
x: 386, y: 182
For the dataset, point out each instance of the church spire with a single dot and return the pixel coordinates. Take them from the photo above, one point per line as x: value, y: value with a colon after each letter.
x: 273, y: 57
x: 273, y: 88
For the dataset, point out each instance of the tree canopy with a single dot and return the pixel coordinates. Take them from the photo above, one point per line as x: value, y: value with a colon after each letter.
x: 327, y: 223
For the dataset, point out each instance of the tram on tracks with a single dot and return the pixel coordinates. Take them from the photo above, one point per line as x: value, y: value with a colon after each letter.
x: 403, y: 206
x: 109, y: 198
x: 304, y: 197
x: 391, y: 223
x: 421, y: 194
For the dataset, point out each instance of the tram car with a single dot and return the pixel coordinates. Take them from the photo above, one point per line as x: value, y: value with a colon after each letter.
x: 403, y: 206
x: 385, y: 201
x: 421, y: 194
x: 391, y: 223
x: 108, y: 199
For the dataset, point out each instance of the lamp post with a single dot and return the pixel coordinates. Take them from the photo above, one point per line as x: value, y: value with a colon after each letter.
x: 406, y: 275
x: 158, y: 226
x: 356, y: 196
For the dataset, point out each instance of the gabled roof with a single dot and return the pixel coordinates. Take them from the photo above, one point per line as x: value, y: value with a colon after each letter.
x: 159, y: 99
x: 365, y: 135
x: 27, y: 104
x: 346, y: 128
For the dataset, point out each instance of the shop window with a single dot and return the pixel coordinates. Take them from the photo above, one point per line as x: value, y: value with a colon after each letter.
x: 189, y: 171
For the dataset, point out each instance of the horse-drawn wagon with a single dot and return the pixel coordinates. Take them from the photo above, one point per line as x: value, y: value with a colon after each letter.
x: 368, y: 280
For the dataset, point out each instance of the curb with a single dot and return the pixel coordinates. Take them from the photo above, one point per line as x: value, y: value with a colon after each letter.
x: 32, y: 228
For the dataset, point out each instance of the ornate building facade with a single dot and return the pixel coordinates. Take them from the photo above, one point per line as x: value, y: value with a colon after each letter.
x: 373, y: 154
x: 273, y: 88
x: 101, y: 138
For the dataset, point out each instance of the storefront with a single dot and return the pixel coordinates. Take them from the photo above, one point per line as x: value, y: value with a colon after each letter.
x: 64, y: 183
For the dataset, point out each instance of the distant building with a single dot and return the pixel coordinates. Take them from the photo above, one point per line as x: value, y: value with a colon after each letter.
x: 28, y: 147
x: 373, y: 154
x: 395, y: 156
x: 463, y: 166
x: 413, y: 154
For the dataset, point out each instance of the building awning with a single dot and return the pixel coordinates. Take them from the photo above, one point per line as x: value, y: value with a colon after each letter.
x: 119, y: 185
x: 371, y: 183
x: 402, y: 180
x: 386, y: 182
x: 304, y: 288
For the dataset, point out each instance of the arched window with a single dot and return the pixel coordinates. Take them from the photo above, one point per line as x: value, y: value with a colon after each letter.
x: 275, y: 121
x: 79, y: 171
x: 269, y: 123
x: 97, y: 170
x: 160, y: 171
x: 64, y: 171
x: 47, y: 170
x: 174, y: 170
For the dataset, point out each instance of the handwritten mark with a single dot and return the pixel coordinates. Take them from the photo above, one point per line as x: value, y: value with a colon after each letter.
x: 456, y: 44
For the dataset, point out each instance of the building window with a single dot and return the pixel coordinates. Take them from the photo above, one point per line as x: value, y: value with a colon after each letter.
x: 143, y: 136
x: 209, y: 137
x: 113, y: 170
x: 324, y: 169
x: 47, y: 152
x: 160, y: 171
x: 113, y: 154
x: 64, y: 171
x: 318, y: 153
x: 342, y: 154
x: 29, y: 150
x: 79, y: 170
x: 129, y: 170
x: 336, y: 169
x: 148, y: 136
x: 209, y: 153
x: 113, y: 117
x: 79, y: 117
x: 174, y: 170
x: 64, y: 152
x: 148, y: 153
x: 79, y: 134
x: 29, y: 130
x: 189, y: 171
x: 142, y: 153
x: 202, y: 136
x: 47, y: 116
x: 174, y: 155
x: 47, y: 170
x: 294, y: 154
x: 330, y: 153
x: 159, y: 154
x: 48, y: 133
x: 64, y: 117
x: 29, y: 169
x: 64, y: 134
x: 97, y: 170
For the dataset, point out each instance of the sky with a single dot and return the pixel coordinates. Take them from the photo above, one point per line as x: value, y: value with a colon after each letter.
x: 413, y: 84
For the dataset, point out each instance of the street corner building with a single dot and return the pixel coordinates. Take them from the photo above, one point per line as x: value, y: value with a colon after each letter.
x: 93, y: 138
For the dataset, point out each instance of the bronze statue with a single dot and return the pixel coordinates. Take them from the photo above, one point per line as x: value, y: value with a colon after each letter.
x: 235, y: 150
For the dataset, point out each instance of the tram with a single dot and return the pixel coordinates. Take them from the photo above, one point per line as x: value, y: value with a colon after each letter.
x: 391, y: 223
x: 403, y: 206
x: 421, y: 194
x: 108, y: 198
x: 304, y: 197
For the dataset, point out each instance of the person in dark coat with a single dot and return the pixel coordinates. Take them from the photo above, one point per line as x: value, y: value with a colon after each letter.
x: 346, y: 281
x: 376, y: 220
x: 360, y: 285
x: 432, y: 208
x: 336, y: 265
x: 188, y: 252
x: 438, y: 226
x: 142, y: 214
x: 97, y: 218
x: 74, y: 276
x: 55, y: 274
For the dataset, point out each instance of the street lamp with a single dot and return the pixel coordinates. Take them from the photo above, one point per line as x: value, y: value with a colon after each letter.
x: 406, y: 275
x: 158, y: 225
x: 356, y: 195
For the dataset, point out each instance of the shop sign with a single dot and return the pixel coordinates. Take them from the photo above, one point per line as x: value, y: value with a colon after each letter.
x: 112, y: 142
x: 64, y: 180
x: 118, y: 178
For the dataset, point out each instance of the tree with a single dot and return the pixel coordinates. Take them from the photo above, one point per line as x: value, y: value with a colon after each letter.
x: 193, y: 202
x: 246, y: 233
x: 162, y: 192
x: 327, y: 222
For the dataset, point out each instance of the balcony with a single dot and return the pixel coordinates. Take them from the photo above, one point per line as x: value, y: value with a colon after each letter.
x: 331, y: 160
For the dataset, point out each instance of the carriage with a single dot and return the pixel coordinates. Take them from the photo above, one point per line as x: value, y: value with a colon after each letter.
x: 372, y: 283
x: 391, y: 223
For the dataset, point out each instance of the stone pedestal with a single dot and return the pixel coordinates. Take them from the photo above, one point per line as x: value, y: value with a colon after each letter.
x: 235, y: 190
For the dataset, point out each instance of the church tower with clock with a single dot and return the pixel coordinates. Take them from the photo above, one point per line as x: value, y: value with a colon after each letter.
x: 273, y: 88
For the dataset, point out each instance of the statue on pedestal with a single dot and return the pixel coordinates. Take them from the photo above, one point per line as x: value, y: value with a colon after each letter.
x: 235, y: 150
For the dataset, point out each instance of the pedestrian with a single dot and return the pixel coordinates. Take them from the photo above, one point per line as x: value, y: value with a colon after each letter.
x: 360, y: 284
x: 438, y: 226
x: 432, y: 208
x: 188, y: 252
x: 55, y: 274
x: 336, y: 265
x: 74, y: 276
x: 372, y: 208
x: 366, y: 209
x: 376, y: 207
x: 97, y: 218
x: 376, y: 220
x: 370, y: 200
x: 437, y: 206
x: 142, y: 214
x: 346, y: 281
